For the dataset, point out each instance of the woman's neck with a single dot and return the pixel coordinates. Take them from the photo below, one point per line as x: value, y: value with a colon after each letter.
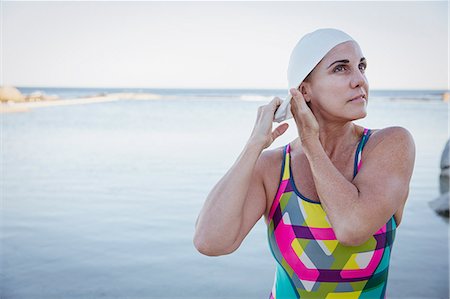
x: 336, y: 140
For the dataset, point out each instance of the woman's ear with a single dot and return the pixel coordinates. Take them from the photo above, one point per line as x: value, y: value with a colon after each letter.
x: 304, y: 89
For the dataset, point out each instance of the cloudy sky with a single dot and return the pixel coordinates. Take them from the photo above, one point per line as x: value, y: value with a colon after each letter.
x: 213, y: 44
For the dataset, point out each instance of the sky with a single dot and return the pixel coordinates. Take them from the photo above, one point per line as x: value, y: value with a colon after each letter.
x: 213, y: 44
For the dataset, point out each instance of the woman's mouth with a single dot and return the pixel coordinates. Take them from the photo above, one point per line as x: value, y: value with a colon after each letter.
x: 358, y: 99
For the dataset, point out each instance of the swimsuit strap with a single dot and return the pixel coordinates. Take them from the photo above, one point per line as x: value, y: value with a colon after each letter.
x: 362, y: 143
x: 286, y: 169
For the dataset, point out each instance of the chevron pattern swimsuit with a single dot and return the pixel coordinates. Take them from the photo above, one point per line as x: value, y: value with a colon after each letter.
x: 311, y: 262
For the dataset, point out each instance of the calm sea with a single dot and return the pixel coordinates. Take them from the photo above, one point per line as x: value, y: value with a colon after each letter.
x: 100, y: 200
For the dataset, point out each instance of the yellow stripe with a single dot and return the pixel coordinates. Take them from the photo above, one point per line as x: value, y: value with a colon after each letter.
x: 286, y: 167
x: 315, y: 215
x: 349, y: 295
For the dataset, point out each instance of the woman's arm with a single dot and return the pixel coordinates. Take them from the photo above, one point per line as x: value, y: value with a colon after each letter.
x: 359, y: 208
x: 238, y: 200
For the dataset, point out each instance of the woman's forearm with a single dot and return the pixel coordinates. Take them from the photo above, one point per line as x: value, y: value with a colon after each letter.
x: 219, y: 228
x: 219, y: 222
x: 337, y: 195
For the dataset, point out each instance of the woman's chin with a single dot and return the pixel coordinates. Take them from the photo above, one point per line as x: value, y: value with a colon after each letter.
x: 359, y: 115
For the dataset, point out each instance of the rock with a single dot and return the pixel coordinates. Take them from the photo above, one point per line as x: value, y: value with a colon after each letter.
x: 444, y: 181
x: 444, y: 176
x: 445, y: 163
x: 35, y: 96
x: 10, y: 93
x: 440, y: 205
x: 39, y: 96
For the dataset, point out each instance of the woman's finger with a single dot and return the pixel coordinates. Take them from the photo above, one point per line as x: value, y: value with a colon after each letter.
x: 275, y: 103
x: 262, y: 131
x: 279, y: 131
x: 299, y: 100
x: 307, y: 124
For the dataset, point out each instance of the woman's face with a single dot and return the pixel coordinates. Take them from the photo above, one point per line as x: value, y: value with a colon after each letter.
x: 335, y: 81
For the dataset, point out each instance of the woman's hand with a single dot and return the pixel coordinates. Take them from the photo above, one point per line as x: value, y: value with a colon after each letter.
x: 307, y: 125
x: 262, y: 131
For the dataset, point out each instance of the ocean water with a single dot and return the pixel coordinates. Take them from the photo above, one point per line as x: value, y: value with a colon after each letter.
x: 100, y: 200
x: 209, y: 94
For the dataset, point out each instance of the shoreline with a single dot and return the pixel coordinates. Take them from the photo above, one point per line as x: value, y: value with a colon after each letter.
x: 12, y: 107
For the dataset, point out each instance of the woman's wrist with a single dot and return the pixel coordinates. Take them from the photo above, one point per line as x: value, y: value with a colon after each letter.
x: 258, y: 142
x: 255, y: 144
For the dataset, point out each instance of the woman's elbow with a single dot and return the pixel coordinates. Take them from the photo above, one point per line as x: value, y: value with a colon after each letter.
x: 351, y: 242
x: 349, y: 238
x: 208, y: 248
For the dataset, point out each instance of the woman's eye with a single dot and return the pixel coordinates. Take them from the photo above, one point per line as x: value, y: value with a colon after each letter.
x: 339, y: 68
x: 342, y: 67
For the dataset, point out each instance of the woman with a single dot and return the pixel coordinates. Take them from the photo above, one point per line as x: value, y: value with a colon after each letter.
x: 333, y: 211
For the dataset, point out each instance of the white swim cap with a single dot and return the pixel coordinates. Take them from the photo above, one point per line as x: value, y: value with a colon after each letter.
x: 308, y: 52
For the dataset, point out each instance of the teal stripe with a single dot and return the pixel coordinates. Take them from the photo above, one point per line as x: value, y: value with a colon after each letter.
x: 284, y: 289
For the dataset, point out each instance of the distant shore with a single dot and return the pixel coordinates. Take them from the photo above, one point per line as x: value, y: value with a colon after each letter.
x: 23, y: 106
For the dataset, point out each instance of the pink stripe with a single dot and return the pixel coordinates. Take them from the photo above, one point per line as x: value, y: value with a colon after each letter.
x: 323, y: 233
x: 276, y: 201
x: 271, y: 296
x: 328, y: 233
x: 373, y: 264
x: 285, y: 236
x: 381, y: 230
x: 369, y: 270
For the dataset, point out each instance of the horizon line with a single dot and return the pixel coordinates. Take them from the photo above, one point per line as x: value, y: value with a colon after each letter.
x: 210, y: 88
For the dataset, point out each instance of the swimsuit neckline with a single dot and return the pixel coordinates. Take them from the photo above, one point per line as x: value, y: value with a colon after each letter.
x: 287, y: 150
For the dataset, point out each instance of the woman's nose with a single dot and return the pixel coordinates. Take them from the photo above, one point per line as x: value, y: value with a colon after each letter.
x: 358, y: 79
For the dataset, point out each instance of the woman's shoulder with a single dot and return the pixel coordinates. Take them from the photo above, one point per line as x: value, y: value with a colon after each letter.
x: 270, y: 162
x: 390, y: 138
x: 271, y: 157
x: 395, y: 133
x: 275, y: 155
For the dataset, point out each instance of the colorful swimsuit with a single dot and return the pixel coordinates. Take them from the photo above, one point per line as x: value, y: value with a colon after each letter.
x: 311, y: 263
